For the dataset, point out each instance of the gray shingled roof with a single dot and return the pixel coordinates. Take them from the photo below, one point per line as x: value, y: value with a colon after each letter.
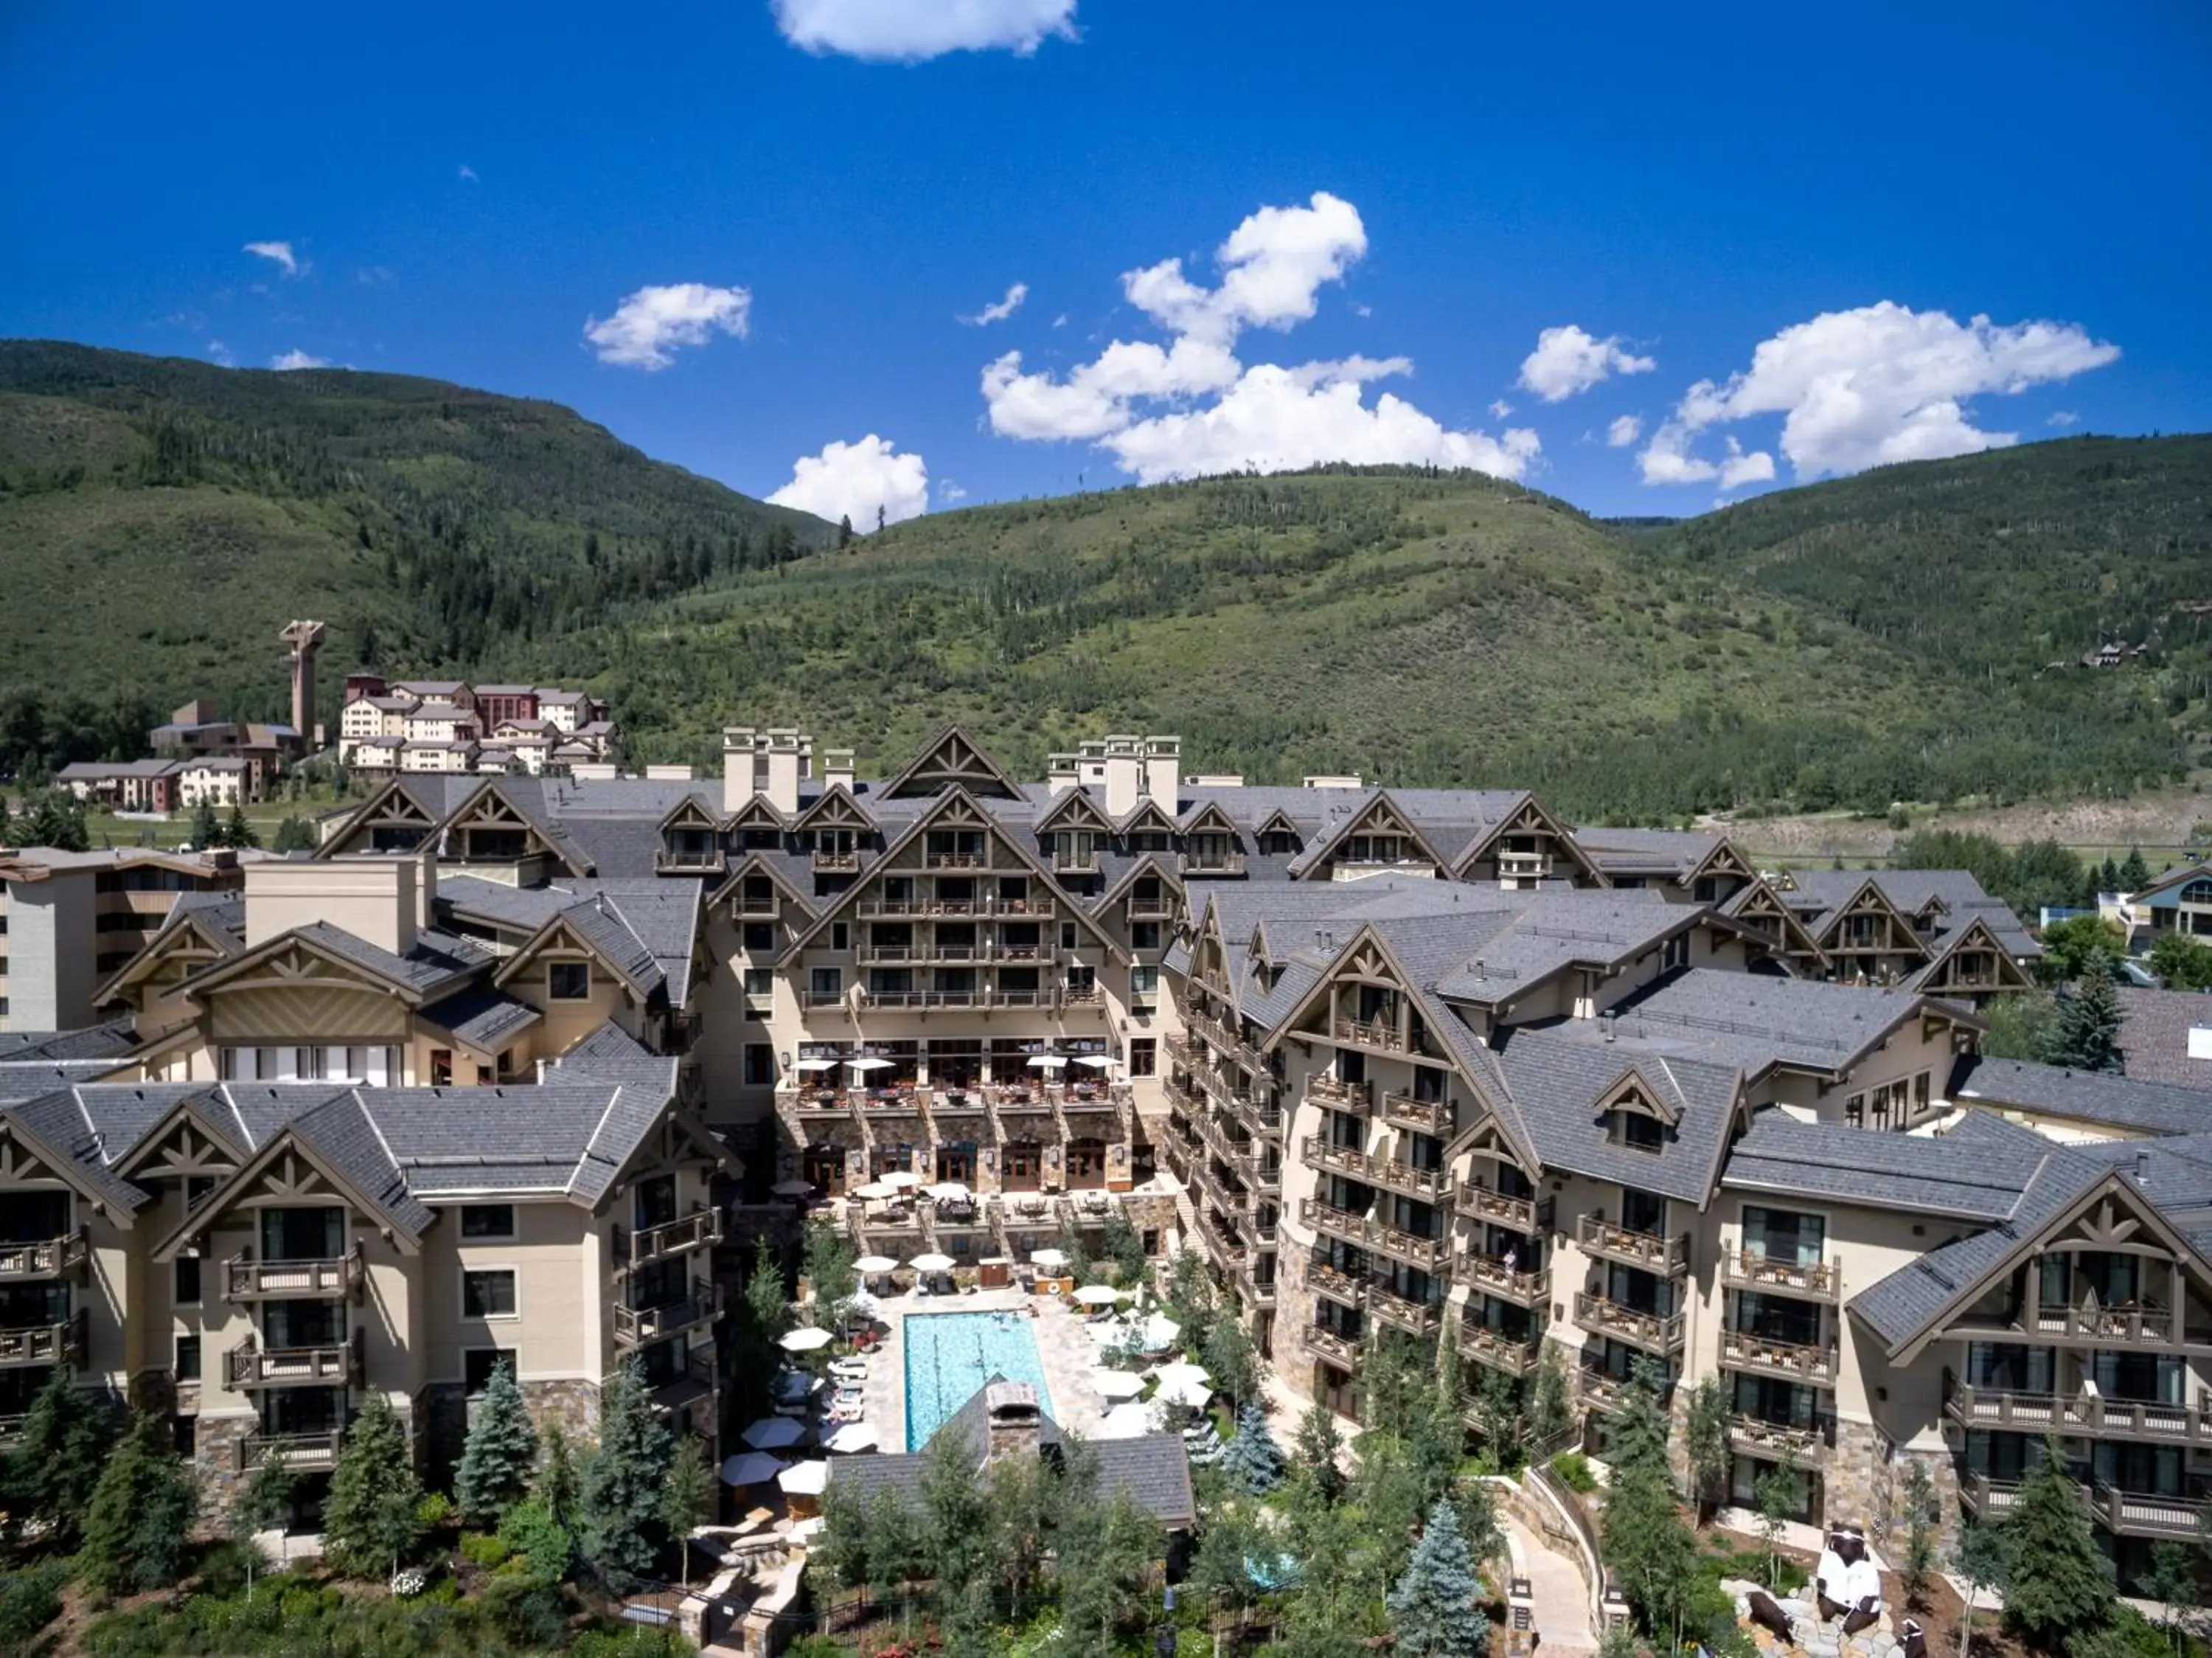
x: 1756, y: 1021
x: 2085, y: 1096
x: 482, y: 1018
x: 437, y: 962
x: 2155, y: 1040
x: 87, y: 1043
x: 1975, y: 1172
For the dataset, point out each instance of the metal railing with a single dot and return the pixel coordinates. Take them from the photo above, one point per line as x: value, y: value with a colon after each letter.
x: 635, y: 1326
x: 702, y: 1227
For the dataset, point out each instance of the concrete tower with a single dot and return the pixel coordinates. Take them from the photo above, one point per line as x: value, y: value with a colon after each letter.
x: 305, y: 638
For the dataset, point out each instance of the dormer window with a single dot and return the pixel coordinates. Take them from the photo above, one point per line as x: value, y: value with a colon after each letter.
x: 1637, y: 1131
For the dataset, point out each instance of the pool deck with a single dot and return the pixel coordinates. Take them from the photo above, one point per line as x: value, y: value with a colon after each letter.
x: 1066, y: 1352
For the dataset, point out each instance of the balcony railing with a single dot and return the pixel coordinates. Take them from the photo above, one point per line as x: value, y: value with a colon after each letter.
x: 1515, y: 1355
x: 1528, y: 1215
x: 1769, y: 1275
x: 250, y: 1280
x: 250, y: 1365
x: 1805, y: 1444
x: 1340, y: 1351
x: 1517, y: 1284
x: 689, y: 861
x: 1259, y: 1291
x: 1369, y: 1033
x: 2087, y: 1326
x: 816, y: 1103
x: 1600, y: 1391
x: 701, y: 1228
x: 302, y: 1452
x: 1432, y: 1185
x: 1336, y: 1091
x: 954, y: 861
x: 1668, y: 1257
x: 1602, y: 1316
x: 1433, y: 1117
x: 49, y: 1258
x: 1073, y: 863
x: 1402, y: 1312
x: 1214, y: 864
x: 45, y: 1343
x: 833, y: 863
x: 2090, y: 1414
x: 764, y: 907
x: 2126, y: 1514
x: 1161, y: 908
x: 635, y: 1326
x: 1335, y: 1282
x: 1793, y: 1360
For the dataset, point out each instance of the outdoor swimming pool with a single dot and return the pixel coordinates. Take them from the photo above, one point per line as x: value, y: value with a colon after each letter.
x: 950, y: 1355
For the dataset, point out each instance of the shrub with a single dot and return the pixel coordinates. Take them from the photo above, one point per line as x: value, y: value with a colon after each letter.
x: 29, y: 1600
x: 483, y: 1551
x: 434, y: 1512
x: 1574, y: 1471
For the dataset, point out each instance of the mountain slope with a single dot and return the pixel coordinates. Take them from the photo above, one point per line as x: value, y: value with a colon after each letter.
x: 160, y: 519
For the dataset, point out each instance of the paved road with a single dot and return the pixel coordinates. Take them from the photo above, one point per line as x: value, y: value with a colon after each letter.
x: 1562, y: 1605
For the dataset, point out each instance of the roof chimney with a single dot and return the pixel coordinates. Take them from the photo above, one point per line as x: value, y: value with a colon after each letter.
x: 1059, y: 773
x: 1125, y: 775
x: 1014, y: 1422
x: 739, y: 763
x: 837, y: 768
x: 1163, y: 771
x: 790, y: 763
x: 2143, y: 1169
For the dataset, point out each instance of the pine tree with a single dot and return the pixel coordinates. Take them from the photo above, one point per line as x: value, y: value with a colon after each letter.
x: 1919, y: 1563
x: 621, y: 1504
x: 1551, y: 1411
x: 1705, y: 1438
x: 2058, y: 1584
x: 500, y: 1453
x: 294, y: 834
x: 141, y: 1509
x: 206, y: 832
x: 368, y: 1518
x: 845, y: 532
x: 558, y: 1481
x: 263, y: 1505
x: 236, y: 830
x: 687, y: 1498
x: 2085, y: 1036
x: 1433, y: 1605
x: 1318, y: 1445
x: 1253, y: 1459
x: 56, y: 1460
x: 2134, y: 873
x: 1649, y: 1549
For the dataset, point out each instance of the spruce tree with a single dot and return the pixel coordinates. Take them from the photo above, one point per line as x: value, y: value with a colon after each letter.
x: 2058, y: 1584
x: 1432, y: 1606
x: 206, y: 832
x: 2086, y: 1035
x: 368, y: 1518
x: 236, y: 830
x: 56, y: 1460
x: 500, y: 1451
x: 1651, y: 1550
x: 135, y: 1527
x: 559, y: 1480
x: 1705, y: 1438
x: 1253, y: 1459
x: 621, y: 1503
x: 687, y: 1498
x: 1919, y: 1563
x: 2134, y: 873
x: 263, y: 1505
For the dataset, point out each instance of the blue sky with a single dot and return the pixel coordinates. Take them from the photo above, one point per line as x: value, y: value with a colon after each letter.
x: 1770, y: 229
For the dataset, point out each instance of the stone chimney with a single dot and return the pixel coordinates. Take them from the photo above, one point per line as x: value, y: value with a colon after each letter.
x: 1125, y: 775
x: 1014, y: 1421
x: 790, y: 763
x: 837, y: 768
x: 740, y: 779
x: 1163, y: 771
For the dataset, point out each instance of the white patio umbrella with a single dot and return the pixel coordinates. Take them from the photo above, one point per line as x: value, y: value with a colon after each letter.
x: 1048, y: 1257
x: 816, y: 1065
x: 1159, y: 1333
x: 853, y: 1437
x: 874, y: 1264
x: 773, y: 1433
x: 1194, y: 1391
x: 1172, y: 1374
x: 875, y: 1189
x: 1126, y: 1421
x: 1046, y: 1062
x: 804, y: 1479
x: 1096, y: 1061
x: 1120, y: 1384
x: 949, y: 1191
x: 804, y: 1340
x: 899, y: 1180
x: 793, y: 1188
x: 867, y: 1062
x: 1097, y: 1295
x: 932, y: 1263
x: 753, y: 1468
x: 861, y: 1304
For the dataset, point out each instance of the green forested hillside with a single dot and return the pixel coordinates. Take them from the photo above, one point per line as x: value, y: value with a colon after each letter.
x: 1886, y: 637
x: 161, y: 519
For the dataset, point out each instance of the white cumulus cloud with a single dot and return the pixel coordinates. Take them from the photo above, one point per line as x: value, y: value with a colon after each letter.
x: 649, y: 324
x: 220, y: 352
x: 909, y: 31
x: 1500, y: 409
x: 999, y: 310
x: 278, y: 253
x: 296, y: 358
x: 1868, y: 388
x: 1569, y: 360
x: 468, y: 175
x: 2062, y: 418
x: 1624, y: 431
x: 852, y: 480
x: 1192, y: 406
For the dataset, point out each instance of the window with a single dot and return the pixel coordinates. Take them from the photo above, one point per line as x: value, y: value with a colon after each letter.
x: 841, y: 936
x: 188, y: 1281
x: 1676, y: 953
x: 478, y: 1363
x: 1920, y: 1093
x: 1639, y: 1131
x: 760, y: 1065
x: 1144, y: 1057
x: 568, y: 981
x: 759, y: 938
x: 487, y: 1220
x: 188, y: 1358
x: 441, y: 1068
x: 1066, y: 935
x: 828, y: 984
x: 1144, y: 935
x: 1144, y: 985
x: 1854, y: 1111
x: 760, y: 985
x: 488, y: 1293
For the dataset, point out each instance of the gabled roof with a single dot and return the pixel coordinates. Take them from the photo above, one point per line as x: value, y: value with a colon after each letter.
x: 482, y: 1018
x: 1320, y: 849
x: 778, y: 867
x: 437, y: 962
x: 952, y: 758
x: 606, y: 938
x: 1074, y: 805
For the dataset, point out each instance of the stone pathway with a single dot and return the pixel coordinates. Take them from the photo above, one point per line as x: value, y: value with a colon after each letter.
x: 1558, y: 1602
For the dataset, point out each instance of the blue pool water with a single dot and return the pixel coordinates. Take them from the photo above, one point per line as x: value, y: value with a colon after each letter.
x: 950, y: 1355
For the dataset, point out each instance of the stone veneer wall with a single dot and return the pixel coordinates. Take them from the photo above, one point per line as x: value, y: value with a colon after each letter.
x: 1294, y: 1314
x: 215, y: 1444
x: 570, y: 1403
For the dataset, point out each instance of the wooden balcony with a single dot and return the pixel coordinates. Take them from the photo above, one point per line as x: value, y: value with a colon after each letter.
x: 1338, y: 1095
x: 636, y: 1326
x: 1530, y: 1217
x: 1669, y: 1258
x: 701, y: 1228
x: 1259, y: 1292
x: 48, y: 1258
x: 690, y: 861
x: 303, y: 1453
x: 1515, y: 1355
x: 1211, y: 865
x: 2086, y: 1325
x: 1524, y: 866
x: 832, y: 863
x: 1802, y: 1445
x: 2125, y: 1513
x: 1602, y: 1316
x: 1335, y: 1282
x: 1255, y: 1221
x: 1385, y: 1039
x: 870, y: 908
x: 1161, y: 908
x: 1073, y: 863
x: 1342, y: 1352
x: 246, y: 1280
x: 1788, y: 1360
x: 1431, y: 1186
x: 954, y: 861
x: 1493, y: 1277
x: 768, y: 906
x: 45, y: 1343
x: 250, y: 1365
x: 1747, y: 1269
x: 2088, y: 1415
x: 1402, y: 1110
x: 1402, y: 1312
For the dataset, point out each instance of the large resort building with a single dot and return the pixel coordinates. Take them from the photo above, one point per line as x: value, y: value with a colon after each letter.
x: 485, y: 1072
